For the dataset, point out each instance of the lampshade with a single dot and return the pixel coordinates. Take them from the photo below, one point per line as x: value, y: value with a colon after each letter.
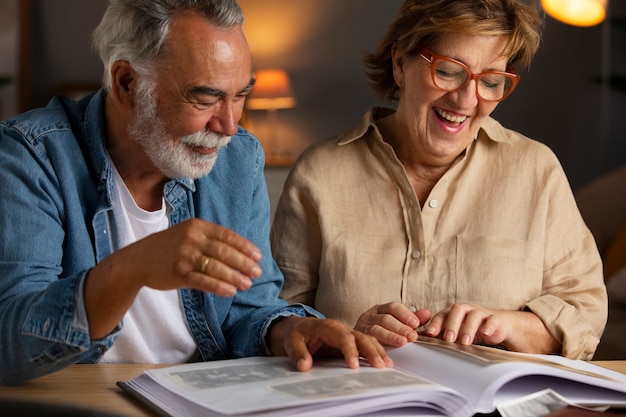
x: 576, y: 12
x: 272, y: 90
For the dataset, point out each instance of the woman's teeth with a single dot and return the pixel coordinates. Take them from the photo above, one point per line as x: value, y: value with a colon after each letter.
x: 450, y: 117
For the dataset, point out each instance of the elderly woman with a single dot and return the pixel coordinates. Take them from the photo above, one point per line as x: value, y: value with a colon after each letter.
x: 435, y: 216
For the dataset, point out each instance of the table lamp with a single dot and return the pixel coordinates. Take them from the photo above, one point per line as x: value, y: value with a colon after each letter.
x: 272, y: 91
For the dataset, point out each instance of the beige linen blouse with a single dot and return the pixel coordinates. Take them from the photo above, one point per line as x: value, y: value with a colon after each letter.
x: 500, y: 229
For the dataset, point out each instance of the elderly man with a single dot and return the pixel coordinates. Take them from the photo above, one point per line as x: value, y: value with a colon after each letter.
x: 135, y: 222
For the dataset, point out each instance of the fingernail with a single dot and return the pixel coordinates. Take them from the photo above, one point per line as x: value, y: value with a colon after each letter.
x: 411, y: 336
x: 256, y: 271
x: 466, y: 340
x: 449, y: 336
x: 430, y: 331
x: 354, y: 363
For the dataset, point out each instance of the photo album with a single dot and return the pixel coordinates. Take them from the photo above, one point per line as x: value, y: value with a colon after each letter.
x: 429, y: 377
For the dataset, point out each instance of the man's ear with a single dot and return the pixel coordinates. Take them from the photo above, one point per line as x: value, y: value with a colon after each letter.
x: 123, y: 82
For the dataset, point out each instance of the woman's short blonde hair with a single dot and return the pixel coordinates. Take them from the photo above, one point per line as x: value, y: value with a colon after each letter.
x: 420, y: 23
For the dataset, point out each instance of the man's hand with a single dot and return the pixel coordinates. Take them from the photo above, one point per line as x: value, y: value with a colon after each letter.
x: 392, y: 324
x: 301, y: 338
x: 196, y: 254
x: 193, y: 254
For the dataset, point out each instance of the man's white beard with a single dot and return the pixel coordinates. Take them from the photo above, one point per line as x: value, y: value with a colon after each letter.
x: 175, y: 159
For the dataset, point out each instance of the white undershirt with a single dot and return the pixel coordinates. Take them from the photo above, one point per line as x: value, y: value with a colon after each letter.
x: 155, y: 330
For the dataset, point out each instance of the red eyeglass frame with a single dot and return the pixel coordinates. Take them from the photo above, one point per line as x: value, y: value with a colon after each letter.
x: 510, y: 72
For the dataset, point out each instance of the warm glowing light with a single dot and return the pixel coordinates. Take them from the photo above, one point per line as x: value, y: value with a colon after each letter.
x: 275, y: 28
x: 271, y: 91
x: 576, y: 12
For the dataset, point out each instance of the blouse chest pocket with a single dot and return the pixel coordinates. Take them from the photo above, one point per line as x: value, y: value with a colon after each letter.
x: 496, y: 272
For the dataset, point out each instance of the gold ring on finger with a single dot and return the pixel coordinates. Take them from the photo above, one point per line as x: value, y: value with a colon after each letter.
x: 205, y: 262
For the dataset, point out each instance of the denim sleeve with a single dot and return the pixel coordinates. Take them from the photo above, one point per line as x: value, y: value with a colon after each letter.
x: 299, y: 310
x: 42, y: 321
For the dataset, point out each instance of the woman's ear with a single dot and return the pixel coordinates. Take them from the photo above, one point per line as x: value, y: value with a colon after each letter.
x: 123, y: 82
x: 397, y: 61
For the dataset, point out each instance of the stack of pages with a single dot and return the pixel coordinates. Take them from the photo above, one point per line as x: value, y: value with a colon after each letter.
x: 429, y: 377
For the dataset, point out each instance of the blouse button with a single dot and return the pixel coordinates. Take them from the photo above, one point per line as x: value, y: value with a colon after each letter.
x: 432, y: 203
x: 412, y: 309
x: 416, y: 255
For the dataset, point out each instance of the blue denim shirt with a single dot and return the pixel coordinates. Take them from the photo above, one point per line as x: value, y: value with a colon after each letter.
x: 57, y: 221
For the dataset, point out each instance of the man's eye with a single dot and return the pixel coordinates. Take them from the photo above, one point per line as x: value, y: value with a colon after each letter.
x: 204, y: 104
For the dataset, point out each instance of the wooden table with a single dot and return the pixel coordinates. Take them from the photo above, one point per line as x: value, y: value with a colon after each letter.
x: 93, y: 387
x: 86, y: 386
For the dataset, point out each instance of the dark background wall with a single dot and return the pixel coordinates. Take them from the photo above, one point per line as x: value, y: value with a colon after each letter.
x: 321, y: 43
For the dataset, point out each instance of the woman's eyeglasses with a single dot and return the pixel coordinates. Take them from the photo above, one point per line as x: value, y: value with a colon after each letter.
x: 451, y: 75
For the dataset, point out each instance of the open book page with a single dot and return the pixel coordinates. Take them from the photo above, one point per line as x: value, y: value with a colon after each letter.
x: 272, y: 386
x: 430, y: 377
x: 488, y: 376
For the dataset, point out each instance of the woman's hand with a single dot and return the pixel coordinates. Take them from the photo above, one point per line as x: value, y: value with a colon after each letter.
x: 520, y: 331
x: 392, y: 324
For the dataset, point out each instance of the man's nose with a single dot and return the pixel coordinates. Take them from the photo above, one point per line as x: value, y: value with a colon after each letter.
x: 225, y: 120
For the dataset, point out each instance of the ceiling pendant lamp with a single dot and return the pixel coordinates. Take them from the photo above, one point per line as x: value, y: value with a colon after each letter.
x: 576, y: 12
